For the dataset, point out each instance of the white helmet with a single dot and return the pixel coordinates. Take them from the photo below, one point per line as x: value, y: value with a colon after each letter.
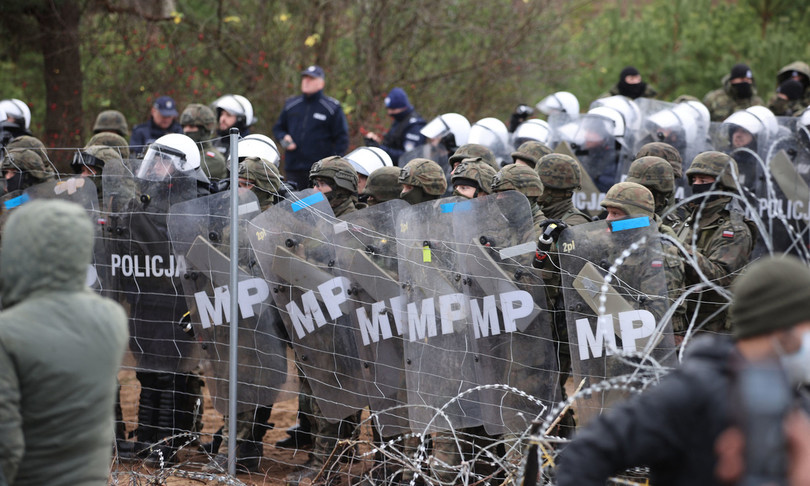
x: 534, y: 129
x: 17, y: 109
x: 261, y: 146
x: 559, y: 102
x: 628, y: 108
x: 236, y: 105
x: 448, y: 123
x: 173, y: 150
x: 758, y: 120
x: 366, y: 160
x: 691, y: 117
x: 489, y: 132
x: 804, y: 120
x: 612, y: 115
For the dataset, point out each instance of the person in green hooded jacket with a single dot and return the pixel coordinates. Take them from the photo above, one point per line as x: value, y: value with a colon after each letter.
x: 61, y: 347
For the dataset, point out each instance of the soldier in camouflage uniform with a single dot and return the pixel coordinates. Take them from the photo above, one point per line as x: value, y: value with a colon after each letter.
x: 526, y: 181
x: 472, y: 150
x: 723, y: 238
x: 421, y: 180
x: 336, y: 178
x: 800, y: 72
x: 666, y: 152
x: 655, y: 174
x: 738, y: 93
x: 198, y: 122
x: 23, y: 168
x: 630, y: 199
x: 90, y: 161
x: 110, y: 139
x: 472, y: 177
x: 382, y: 185
x: 112, y: 121
x: 529, y: 153
x: 262, y: 178
x: 32, y: 143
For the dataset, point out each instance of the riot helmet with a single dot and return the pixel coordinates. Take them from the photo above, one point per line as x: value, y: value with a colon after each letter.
x: 17, y: 110
x: 532, y: 130
x: 451, y: 129
x: 170, y: 154
x: 559, y: 102
x: 238, y: 106
x: 258, y: 145
x: 366, y: 160
x: 491, y: 133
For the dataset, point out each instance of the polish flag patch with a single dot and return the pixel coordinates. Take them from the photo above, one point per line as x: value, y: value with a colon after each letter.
x: 210, y: 154
x: 728, y: 234
x: 657, y: 264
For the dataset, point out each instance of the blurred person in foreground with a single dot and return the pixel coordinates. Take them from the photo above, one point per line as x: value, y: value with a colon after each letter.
x: 61, y: 346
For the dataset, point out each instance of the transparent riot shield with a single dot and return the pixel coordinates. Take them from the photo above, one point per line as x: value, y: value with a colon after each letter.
x: 784, y: 205
x: 750, y: 161
x: 592, y: 141
x: 200, y: 231
x: 144, y: 271
x: 293, y: 244
x: 510, y: 326
x: 366, y: 254
x: 439, y: 353
x: 615, y: 293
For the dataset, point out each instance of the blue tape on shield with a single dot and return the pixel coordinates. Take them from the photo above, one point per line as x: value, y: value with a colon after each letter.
x: 17, y: 201
x: 627, y: 224
x: 308, y: 201
x: 456, y: 207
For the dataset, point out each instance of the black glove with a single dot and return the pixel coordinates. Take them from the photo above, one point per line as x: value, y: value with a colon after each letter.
x: 521, y: 114
x: 370, y: 142
x: 552, y: 228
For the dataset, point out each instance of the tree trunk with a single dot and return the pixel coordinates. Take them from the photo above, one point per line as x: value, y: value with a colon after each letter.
x: 59, y: 29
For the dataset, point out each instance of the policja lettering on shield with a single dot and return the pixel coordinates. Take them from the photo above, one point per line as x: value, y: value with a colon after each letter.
x: 147, y: 265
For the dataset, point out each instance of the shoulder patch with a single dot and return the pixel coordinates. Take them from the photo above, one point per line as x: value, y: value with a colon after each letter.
x: 728, y: 234
x: 210, y: 154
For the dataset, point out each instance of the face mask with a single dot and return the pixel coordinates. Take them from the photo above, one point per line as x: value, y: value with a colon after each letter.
x: 742, y: 90
x: 197, y: 136
x: 414, y: 196
x: 797, y: 365
x: 632, y: 91
x: 15, y: 182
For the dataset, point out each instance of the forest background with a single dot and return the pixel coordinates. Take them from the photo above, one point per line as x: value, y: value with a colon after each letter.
x: 70, y: 59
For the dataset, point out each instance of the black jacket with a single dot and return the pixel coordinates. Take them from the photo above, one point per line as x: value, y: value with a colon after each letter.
x: 671, y: 427
x: 318, y: 127
x: 148, y: 132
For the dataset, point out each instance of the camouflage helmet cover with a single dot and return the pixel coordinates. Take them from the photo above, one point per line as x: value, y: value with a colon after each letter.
x: 716, y: 164
x: 531, y: 152
x: 426, y: 174
x: 519, y: 178
x: 30, y: 143
x: 338, y: 170
x: 111, y: 121
x: 477, y: 170
x: 113, y: 140
x: 473, y: 150
x: 666, y: 152
x: 26, y: 161
x: 383, y: 184
x: 559, y: 171
x: 634, y: 199
x: 263, y: 174
x: 652, y: 172
x: 199, y: 115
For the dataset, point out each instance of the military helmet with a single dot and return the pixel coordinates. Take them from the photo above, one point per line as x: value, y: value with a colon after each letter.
x: 634, y: 199
x: 426, y: 174
x: 666, y: 152
x: 716, y: 164
x: 338, y: 170
x: 474, y: 172
x: 652, y: 172
x: 199, y: 115
x: 519, y: 178
x: 531, y: 152
x: 473, y: 150
x: 383, y: 184
x: 261, y: 173
x: 113, y: 140
x: 96, y: 156
x: 559, y: 171
x: 111, y: 121
x: 26, y: 161
x: 31, y: 143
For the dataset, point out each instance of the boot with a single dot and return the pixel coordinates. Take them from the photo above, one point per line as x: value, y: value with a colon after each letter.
x: 299, y: 438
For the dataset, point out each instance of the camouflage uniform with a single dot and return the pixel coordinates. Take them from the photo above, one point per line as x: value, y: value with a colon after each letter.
x: 111, y: 140
x: 382, y: 185
x: 724, y: 240
x: 343, y: 196
x: 526, y: 181
x: 30, y: 166
x: 473, y: 150
x: 774, y: 103
x: 211, y: 160
x: 111, y: 121
x: 265, y: 178
x: 722, y: 102
x: 35, y: 144
x: 474, y: 172
x: 427, y: 179
x: 96, y: 157
x: 530, y: 153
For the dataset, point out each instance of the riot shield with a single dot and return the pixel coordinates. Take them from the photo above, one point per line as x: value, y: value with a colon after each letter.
x: 592, y: 141
x: 366, y: 254
x: 784, y: 206
x: 144, y: 271
x: 510, y: 325
x: 293, y: 244
x: 617, y: 308
x: 439, y: 354
x: 200, y: 231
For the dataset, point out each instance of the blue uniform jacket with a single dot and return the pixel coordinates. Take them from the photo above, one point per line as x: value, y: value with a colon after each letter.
x: 148, y: 132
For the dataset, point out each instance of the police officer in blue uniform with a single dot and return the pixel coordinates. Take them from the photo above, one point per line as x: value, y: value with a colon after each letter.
x: 404, y: 134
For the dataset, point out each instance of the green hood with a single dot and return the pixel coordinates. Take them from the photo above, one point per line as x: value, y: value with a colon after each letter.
x: 47, y: 246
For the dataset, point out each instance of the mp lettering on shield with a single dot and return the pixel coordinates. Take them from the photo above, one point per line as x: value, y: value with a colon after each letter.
x: 252, y: 292
x: 593, y: 343
x: 143, y: 266
x: 419, y: 317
